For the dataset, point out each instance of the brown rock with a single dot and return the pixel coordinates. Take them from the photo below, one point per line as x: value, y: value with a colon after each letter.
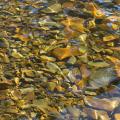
x: 96, y: 114
x: 95, y: 10
x: 104, y: 104
x: 62, y: 53
x: 68, y: 5
x: 3, y: 94
x: 5, y: 84
x: 4, y: 58
x: 117, y: 116
x: 117, y: 1
x: 110, y: 38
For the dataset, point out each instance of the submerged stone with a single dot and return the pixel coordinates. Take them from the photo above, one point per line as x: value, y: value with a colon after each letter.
x: 102, y: 77
x: 103, y: 104
x: 54, y: 8
x: 4, y: 43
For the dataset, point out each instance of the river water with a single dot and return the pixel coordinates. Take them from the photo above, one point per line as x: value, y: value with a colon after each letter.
x: 60, y: 60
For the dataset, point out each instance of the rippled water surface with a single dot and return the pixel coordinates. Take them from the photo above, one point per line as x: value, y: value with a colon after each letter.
x: 60, y: 60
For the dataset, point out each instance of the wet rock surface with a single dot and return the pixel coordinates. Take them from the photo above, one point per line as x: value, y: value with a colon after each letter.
x: 60, y: 60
